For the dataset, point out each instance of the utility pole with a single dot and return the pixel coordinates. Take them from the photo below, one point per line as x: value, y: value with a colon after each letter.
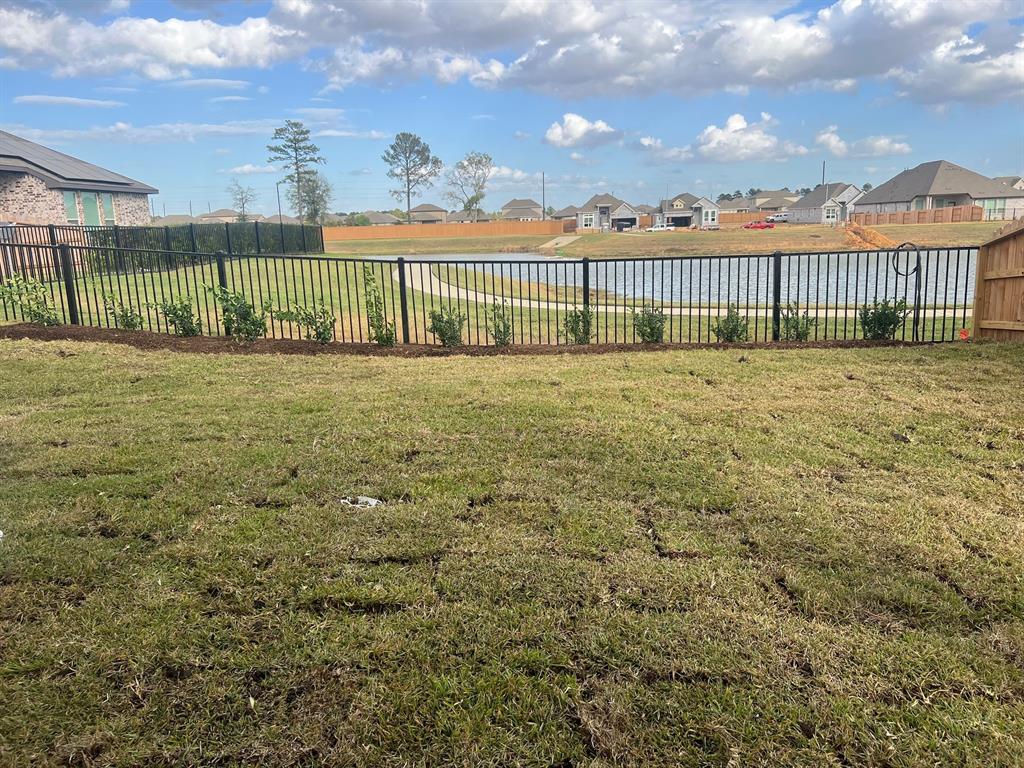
x: 189, y: 207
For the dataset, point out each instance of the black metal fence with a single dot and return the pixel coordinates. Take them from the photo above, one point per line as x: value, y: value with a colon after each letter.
x: 790, y: 296
x: 242, y: 238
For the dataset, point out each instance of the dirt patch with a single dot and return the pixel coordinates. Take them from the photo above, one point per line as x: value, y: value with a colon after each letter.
x: 219, y: 345
x: 867, y: 239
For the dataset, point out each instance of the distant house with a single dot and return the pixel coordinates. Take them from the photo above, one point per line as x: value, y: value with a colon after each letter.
x: 522, y: 210
x: 1017, y: 182
x: 174, y: 220
x: 737, y: 205
x: 39, y: 185
x: 282, y: 219
x: 569, y: 212
x: 379, y: 219
x: 606, y: 212
x: 768, y: 201
x: 468, y: 217
x: 226, y: 216
x: 942, y: 184
x: 705, y: 213
x: 427, y: 213
x: 676, y: 211
x: 825, y: 204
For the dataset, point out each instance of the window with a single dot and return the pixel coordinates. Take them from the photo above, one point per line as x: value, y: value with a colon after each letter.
x: 588, y: 221
x: 918, y: 203
x: 90, y: 208
x: 70, y: 207
x: 831, y: 214
x: 108, y: 209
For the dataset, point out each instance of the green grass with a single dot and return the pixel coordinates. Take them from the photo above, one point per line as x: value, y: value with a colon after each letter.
x: 663, y: 559
x: 440, y: 245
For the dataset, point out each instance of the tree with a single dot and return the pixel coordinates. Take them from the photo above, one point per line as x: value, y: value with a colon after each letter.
x: 868, y: 186
x: 736, y: 195
x: 413, y: 165
x: 723, y: 196
x: 467, y: 181
x: 313, y: 197
x: 296, y: 153
x: 752, y: 191
x: 803, y: 191
x: 550, y: 211
x: 241, y: 198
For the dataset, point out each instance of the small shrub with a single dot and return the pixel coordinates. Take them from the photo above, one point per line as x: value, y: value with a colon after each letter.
x: 241, y: 319
x: 499, y: 324
x: 125, y: 318
x: 650, y: 325
x: 381, y: 331
x: 796, y: 327
x: 31, y: 296
x: 733, y: 327
x: 577, y: 325
x: 880, y: 320
x: 318, y: 321
x: 446, y: 325
x: 179, y: 316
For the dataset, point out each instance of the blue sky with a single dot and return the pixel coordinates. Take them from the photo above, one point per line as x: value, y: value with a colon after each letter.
x: 622, y: 98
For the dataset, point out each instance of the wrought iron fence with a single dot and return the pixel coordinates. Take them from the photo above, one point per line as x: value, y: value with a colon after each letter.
x: 777, y: 297
x: 242, y: 238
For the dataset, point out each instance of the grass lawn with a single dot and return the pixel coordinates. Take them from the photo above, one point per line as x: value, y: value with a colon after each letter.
x: 969, y: 233
x: 646, y: 559
x: 411, y: 246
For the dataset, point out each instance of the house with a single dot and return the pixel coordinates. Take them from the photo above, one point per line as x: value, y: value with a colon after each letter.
x: 468, y: 217
x: 279, y: 219
x: 942, y: 184
x: 39, y: 185
x: 606, y: 212
x: 676, y: 211
x: 569, y: 212
x: 426, y: 213
x: 769, y: 201
x: 1017, y: 182
x: 522, y: 210
x: 705, y: 213
x: 830, y: 203
x: 174, y: 220
x: 378, y: 219
x: 226, y: 216
x: 737, y: 205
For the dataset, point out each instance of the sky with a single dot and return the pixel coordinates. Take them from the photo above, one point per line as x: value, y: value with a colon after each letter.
x: 640, y: 99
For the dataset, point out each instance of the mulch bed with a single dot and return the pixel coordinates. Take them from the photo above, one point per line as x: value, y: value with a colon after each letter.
x: 220, y: 345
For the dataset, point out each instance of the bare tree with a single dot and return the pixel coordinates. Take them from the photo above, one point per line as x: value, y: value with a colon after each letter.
x: 296, y: 152
x: 413, y: 165
x: 241, y: 199
x: 467, y: 181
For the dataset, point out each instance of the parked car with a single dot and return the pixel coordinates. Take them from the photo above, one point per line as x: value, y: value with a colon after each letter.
x: 759, y: 225
x: 660, y: 228
x: 777, y: 218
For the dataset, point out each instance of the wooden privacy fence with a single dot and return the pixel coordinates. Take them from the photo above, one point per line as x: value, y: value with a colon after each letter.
x: 999, y: 286
x: 738, y: 217
x: 931, y: 216
x: 479, y: 229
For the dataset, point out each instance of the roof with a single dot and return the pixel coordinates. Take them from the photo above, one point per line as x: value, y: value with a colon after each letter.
x: 644, y: 208
x: 174, y: 218
x: 686, y: 197
x: 568, y: 212
x: 60, y: 171
x: 775, y: 193
x: 603, y: 200
x: 423, y: 207
x: 376, y: 217
x: 777, y: 202
x: 477, y: 215
x: 1009, y: 180
x: 736, y: 204
x: 816, y: 197
x: 524, y: 203
x: 430, y: 214
x: 275, y: 219
x: 938, y: 177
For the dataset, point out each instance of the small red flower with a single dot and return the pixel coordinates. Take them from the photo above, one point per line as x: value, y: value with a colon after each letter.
x: 964, y: 334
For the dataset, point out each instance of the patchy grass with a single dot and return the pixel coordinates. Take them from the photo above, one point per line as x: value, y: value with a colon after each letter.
x: 969, y: 233
x: 672, y: 558
x: 440, y: 245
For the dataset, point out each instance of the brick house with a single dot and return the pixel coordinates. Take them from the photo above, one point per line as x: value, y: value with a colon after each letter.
x: 39, y: 185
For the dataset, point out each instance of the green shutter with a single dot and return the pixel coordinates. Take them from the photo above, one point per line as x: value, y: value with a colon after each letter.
x: 108, y: 208
x: 90, y: 208
x: 70, y: 207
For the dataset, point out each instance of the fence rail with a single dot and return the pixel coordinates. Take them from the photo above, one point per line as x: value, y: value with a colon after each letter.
x: 535, y: 296
x: 243, y: 238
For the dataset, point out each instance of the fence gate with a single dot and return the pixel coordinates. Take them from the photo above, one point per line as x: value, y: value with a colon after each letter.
x: 999, y: 286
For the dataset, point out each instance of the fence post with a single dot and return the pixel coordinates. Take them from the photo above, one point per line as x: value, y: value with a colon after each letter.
x: 227, y: 236
x: 256, y: 226
x: 304, y: 249
x: 192, y: 235
x: 776, y: 295
x: 323, y: 247
x: 222, y: 273
x: 404, y: 300
x: 586, y: 283
x: 167, y: 238
x: 53, y: 234
x: 117, y: 236
x: 68, y: 274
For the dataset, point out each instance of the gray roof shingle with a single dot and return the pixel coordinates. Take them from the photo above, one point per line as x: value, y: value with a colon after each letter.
x: 938, y: 177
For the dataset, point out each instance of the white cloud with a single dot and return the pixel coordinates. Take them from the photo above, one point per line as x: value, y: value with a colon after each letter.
x: 659, y: 151
x: 931, y: 51
x: 161, y: 133
x: 67, y: 101
x: 577, y: 131
x: 871, y: 146
x: 211, y: 82
x: 248, y: 169
x: 483, y: 117
x: 345, y: 133
x: 227, y: 99
x: 360, y: 172
x: 739, y: 140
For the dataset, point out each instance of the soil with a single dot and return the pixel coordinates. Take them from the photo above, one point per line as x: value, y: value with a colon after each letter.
x: 219, y: 345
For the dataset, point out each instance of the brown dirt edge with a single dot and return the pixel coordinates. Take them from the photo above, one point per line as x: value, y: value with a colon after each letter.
x: 215, y: 345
